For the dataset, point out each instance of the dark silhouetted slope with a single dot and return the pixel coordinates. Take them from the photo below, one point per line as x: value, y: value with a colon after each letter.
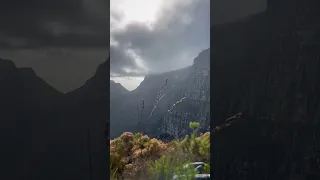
x: 48, y: 135
x: 27, y: 111
x: 267, y: 67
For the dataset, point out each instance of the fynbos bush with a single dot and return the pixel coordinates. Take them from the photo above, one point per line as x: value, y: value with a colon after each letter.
x: 136, y: 155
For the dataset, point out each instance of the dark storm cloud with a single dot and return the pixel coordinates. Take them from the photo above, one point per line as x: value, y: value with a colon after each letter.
x: 177, y: 37
x: 54, y: 23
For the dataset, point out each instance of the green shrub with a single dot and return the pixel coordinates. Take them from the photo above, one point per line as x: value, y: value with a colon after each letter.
x: 194, y: 125
x: 138, y: 154
x: 166, y: 167
x: 190, y: 149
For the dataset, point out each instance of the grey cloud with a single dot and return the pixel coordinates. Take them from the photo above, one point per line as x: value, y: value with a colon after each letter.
x: 58, y: 23
x: 137, y: 35
x: 64, y: 41
x: 120, y: 60
x: 171, y: 44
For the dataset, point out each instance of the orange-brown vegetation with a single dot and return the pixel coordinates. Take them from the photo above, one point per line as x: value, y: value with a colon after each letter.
x: 131, y: 154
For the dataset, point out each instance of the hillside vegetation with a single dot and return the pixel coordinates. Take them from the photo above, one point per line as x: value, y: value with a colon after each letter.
x: 136, y: 156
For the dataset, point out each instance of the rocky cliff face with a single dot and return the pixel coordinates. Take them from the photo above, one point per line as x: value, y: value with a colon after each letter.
x: 48, y: 135
x: 195, y: 101
x: 140, y: 105
x: 273, y: 81
x: 147, y: 106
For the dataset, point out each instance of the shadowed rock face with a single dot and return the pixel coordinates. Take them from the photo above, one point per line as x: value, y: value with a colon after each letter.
x: 267, y: 67
x: 152, y: 118
x: 46, y: 134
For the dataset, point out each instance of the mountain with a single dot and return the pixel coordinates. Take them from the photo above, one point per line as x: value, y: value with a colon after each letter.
x: 117, y: 88
x: 48, y: 135
x: 144, y: 112
x: 267, y: 67
x: 85, y: 113
x: 26, y: 116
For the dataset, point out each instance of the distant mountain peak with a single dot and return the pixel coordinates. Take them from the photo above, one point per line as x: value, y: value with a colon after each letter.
x: 117, y: 87
x: 203, y: 58
x: 103, y: 69
x: 7, y: 64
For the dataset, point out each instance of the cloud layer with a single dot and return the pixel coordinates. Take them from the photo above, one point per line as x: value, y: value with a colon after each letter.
x: 145, y: 38
x: 64, y: 41
x: 164, y: 38
x: 54, y: 23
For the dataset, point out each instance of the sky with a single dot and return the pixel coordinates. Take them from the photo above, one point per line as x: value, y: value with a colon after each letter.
x: 154, y: 36
x: 148, y: 37
x: 64, y: 41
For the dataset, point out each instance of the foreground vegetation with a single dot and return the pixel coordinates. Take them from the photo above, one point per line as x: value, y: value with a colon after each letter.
x: 136, y: 156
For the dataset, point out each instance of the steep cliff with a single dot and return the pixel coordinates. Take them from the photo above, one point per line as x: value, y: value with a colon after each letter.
x: 195, y: 100
x: 267, y: 67
x: 140, y: 104
x: 147, y: 106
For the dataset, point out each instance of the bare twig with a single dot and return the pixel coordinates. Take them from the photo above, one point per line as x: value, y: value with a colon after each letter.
x: 227, y: 123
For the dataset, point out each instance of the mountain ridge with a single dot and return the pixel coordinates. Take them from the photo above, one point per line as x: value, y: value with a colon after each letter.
x: 140, y: 103
x: 35, y: 117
